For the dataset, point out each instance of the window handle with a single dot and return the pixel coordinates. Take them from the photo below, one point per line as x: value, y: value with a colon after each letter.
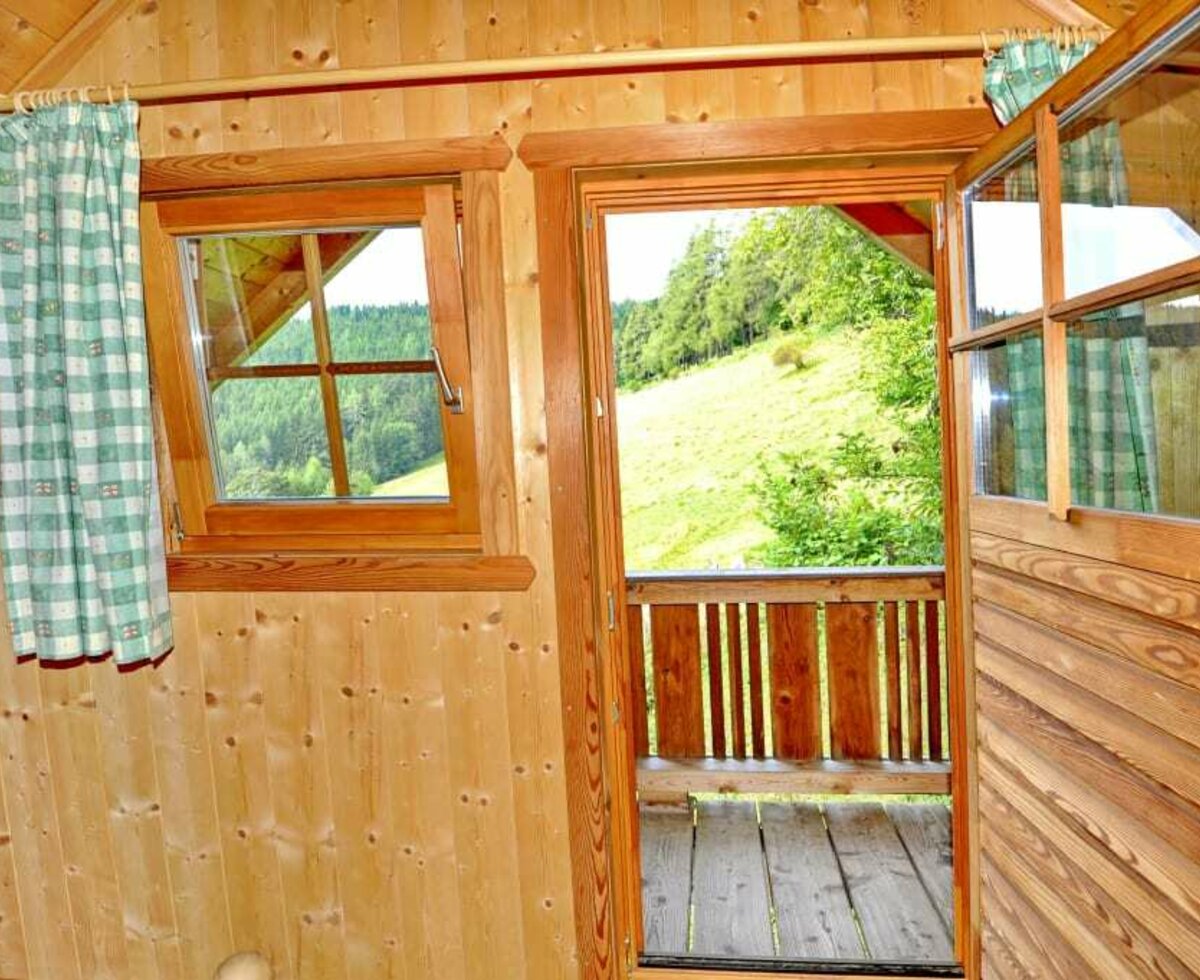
x: 451, y: 394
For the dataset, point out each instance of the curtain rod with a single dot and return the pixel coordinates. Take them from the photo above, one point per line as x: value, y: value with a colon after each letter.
x: 583, y: 63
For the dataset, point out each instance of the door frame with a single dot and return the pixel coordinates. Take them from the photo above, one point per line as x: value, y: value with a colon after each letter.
x: 855, y: 158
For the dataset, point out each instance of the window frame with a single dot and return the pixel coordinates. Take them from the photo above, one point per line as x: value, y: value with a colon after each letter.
x: 1134, y: 538
x: 202, y: 521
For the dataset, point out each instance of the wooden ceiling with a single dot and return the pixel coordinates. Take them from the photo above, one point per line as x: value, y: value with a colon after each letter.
x: 29, y: 29
x: 40, y: 39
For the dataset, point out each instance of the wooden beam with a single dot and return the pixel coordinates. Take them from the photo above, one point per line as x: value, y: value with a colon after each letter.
x: 833, y: 135
x: 349, y: 161
x: 786, y: 585
x: 68, y: 49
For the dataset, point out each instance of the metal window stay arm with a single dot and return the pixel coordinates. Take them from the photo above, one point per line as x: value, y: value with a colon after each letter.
x: 451, y: 394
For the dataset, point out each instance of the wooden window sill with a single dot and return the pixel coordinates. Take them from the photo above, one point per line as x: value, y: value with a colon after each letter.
x: 347, y: 572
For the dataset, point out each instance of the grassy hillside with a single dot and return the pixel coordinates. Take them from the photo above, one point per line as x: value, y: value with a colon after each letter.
x: 691, y: 449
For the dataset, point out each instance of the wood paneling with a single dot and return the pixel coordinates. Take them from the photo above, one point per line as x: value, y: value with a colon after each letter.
x: 1088, y: 699
x: 380, y: 779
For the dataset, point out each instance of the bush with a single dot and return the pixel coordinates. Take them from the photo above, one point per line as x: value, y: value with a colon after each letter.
x: 793, y: 352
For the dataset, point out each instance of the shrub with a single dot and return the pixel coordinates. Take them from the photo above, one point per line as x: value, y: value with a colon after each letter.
x: 793, y: 352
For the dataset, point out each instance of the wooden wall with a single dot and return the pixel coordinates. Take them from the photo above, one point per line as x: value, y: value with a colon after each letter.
x: 1088, y: 683
x: 369, y: 785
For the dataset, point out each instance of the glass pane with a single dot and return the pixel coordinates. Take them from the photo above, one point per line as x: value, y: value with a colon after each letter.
x: 392, y: 426
x: 1135, y: 406
x: 1129, y: 189
x: 271, y: 438
x: 251, y: 300
x: 1005, y: 237
x: 1008, y: 402
x: 376, y: 295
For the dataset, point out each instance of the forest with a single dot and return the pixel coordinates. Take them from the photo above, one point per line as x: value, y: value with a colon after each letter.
x: 271, y: 431
x: 804, y: 276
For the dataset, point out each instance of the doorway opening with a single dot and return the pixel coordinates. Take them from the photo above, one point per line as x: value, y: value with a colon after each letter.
x: 769, y: 473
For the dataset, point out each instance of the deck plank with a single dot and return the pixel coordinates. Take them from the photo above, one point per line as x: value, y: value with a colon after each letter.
x: 813, y: 909
x: 898, y: 919
x: 729, y: 883
x: 925, y: 830
x: 666, y: 845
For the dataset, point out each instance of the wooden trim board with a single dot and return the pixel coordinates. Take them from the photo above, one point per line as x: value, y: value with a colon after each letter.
x: 347, y: 161
x: 347, y: 572
x: 851, y: 133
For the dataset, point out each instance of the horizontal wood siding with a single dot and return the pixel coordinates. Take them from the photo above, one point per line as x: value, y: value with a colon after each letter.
x: 1089, y: 761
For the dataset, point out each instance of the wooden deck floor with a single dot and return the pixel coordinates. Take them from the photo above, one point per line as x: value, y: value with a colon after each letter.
x: 836, y: 881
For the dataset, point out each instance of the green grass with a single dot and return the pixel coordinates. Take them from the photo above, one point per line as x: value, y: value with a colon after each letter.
x: 691, y: 448
x: 427, y: 481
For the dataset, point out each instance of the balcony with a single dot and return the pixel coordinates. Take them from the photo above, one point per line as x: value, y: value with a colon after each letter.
x: 782, y: 690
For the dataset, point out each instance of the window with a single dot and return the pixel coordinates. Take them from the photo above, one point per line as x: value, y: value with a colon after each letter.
x: 1134, y: 392
x: 1005, y: 257
x: 320, y: 339
x: 1129, y: 204
x: 1009, y: 404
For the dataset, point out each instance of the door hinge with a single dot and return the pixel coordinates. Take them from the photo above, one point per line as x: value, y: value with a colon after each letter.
x: 612, y: 611
x: 630, y: 959
x: 939, y: 221
x: 599, y: 408
x: 616, y: 713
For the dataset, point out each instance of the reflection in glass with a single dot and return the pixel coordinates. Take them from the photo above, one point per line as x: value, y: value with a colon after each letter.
x: 1134, y: 402
x: 251, y: 300
x: 1005, y: 239
x: 392, y: 426
x: 270, y: 438
x: 1129, y: 191
x: 376, y: 294
x: 1008, y: 403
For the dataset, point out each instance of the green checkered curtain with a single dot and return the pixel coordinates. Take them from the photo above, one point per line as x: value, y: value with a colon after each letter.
x: 1027, y: 398
x: 1114, y: 455
x: 80, y: 527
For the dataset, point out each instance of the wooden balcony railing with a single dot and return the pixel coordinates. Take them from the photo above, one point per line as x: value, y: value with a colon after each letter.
x: 809, y: 680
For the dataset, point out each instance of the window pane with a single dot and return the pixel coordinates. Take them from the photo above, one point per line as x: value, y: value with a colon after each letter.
x: 1008, y: 402
x: 376, y: 295
x: 1005, y: 260
x: 251, y: 300
x: 392, y: 426
x: 271, y: 438
x: 1130, y: 202
x: 1135, y: 406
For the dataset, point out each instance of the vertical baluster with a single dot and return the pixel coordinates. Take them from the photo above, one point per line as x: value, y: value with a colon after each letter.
x: 733, y: 630
x: 891, y: 646
x: 754, y: 653
x: 795, y: 681
x: 852, y: 649
x: 716, y: 687
x: 637, y: 671
x: 675, y: 636
x: 912, y: 644
x: 933, y: 679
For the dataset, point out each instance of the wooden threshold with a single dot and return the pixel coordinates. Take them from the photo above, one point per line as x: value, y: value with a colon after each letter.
x: 346, y: 572
x: 665, y: 778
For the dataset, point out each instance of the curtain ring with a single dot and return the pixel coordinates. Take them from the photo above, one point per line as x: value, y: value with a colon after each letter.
x: 125, y: 96
x: 111, y: 101
x: 85, y: 93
